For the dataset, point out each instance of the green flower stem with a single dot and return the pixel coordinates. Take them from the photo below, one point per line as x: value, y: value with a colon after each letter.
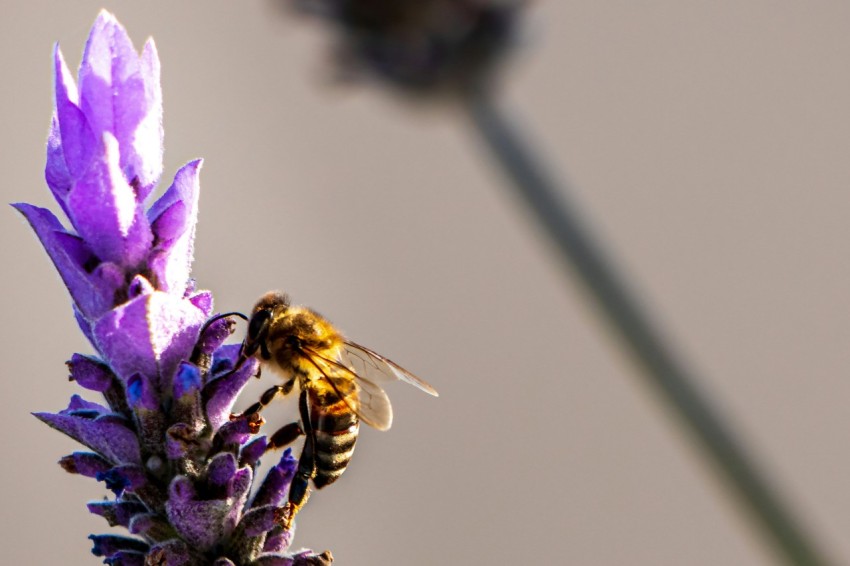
x: 568, y: 229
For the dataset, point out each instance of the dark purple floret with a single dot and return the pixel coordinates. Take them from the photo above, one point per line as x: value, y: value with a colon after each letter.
x: 305, y: 558
x: 108, y: 435
x: 123, y: 478
x: 86, y: 464
x: 109, y: 545
x: 181, y: 471
x: 90, y: 373
x: 221, y: 392
x: 216, y: 334
x: 273, y: 489
x: 126, y: 558
x: 252, y: 451
x: 221, y: 471
x: 277, y: 541
x: 116, y: 513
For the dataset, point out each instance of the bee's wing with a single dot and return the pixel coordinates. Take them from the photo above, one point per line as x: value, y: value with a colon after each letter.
x: 366, y: 399
x: 372, y: 365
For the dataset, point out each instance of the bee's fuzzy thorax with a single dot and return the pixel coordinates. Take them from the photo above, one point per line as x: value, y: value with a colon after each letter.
x: 271, y: 300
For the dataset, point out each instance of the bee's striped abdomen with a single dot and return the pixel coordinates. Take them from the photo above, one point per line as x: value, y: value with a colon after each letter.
x: 336, y: 428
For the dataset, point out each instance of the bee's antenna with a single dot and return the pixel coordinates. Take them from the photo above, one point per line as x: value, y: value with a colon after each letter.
x: 219, y: 317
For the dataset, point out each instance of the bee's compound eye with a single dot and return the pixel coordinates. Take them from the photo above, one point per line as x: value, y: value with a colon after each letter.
x: 258, y: 325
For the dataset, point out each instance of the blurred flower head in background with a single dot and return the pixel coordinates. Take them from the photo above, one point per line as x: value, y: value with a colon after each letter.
x: 163, y: 442
x: 421, y: 46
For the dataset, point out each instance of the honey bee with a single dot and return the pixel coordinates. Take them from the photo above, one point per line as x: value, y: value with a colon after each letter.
x: 337, y: 382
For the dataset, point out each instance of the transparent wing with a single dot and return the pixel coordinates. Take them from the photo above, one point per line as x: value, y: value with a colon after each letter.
x: 372, y: 365
x: 366, y: 399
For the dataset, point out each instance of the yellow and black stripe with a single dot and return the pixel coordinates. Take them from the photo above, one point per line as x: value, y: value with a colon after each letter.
x: 335, y: 427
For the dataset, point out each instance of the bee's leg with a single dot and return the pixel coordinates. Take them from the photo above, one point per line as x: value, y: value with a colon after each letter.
x: 266, y: 398
x: 299, y: 489
x: 285, y: 436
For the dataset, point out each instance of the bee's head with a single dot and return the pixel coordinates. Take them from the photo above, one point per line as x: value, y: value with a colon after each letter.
x: 258, y: 327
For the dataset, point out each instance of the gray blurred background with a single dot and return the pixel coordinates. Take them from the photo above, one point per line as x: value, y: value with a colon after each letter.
x: 709, y: 143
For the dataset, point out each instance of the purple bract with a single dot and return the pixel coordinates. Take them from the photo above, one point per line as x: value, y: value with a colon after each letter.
x: 182, y: 472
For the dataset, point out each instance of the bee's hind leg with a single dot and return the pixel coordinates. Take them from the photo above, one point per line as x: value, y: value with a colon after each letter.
x: 299, y: 492
x: 299, y: 489
x: 284, y: 436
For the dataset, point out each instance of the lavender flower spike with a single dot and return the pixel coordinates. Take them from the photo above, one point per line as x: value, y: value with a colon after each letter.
x: 161, y: 440
x: 422, y: 47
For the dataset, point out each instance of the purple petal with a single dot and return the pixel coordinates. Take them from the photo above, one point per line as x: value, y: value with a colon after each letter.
x: 107, y: 435
x: 150, y: 334
x: 223, y: 562
x: 56, y: 172
x: 149, y: 134
x: 108, y: 545
x: 141, y: 394
x: 275, y: 486
x: 278, y: 540
x: 92, y: 296
x: 239, y: 488
x: 79, y: 405
x: 151, y: 526
x: 93, y: 374
x: 120, y: 94
x: 124, y: 338
x: 126, y: 558
x: 253, y: 451
x: 215, y: 334
x: 187, y: 396
x: 103, y: 209
x: 123, y: 478
x: 260, y: 520
x: 175, y: 324
x: 172, y: 219
x: 225, y: 358
x: 274, y: 560
x: 151, y: 422
x: 78, y: 140
x: 235, y: 432
x: 108, y: 59
x: 202, y: 299
x: 303, y: 558
x: 170, y: 215
x: 77, y: 250
x: 187, y: 382
x: 221, y: 470
x: 86, y: 464
x: 90, y: 373
x: 221, y: 392
x: 116, y: 513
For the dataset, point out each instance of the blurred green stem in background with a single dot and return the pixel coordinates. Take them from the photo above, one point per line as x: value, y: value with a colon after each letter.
x: 568, y: 229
